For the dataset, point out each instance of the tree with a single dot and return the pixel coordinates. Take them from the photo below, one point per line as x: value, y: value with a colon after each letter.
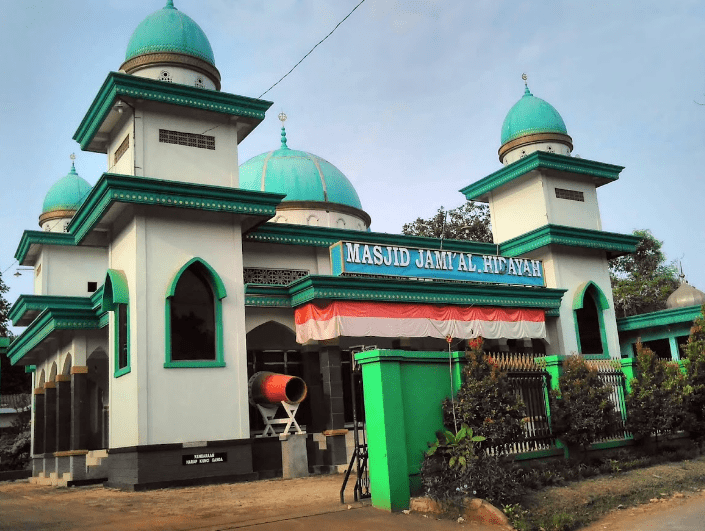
x: 13, y: 379
x: 655, y: 403
x: 694, y: 398
x: 470, y: 221
x: 642, y: 281
x: 581, y: 409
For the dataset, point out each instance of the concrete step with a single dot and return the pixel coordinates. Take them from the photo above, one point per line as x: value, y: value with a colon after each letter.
x: 95, y: 457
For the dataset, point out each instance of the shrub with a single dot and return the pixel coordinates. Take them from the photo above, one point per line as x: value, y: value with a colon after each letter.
x: 694, y: 391
x: 656, y: 399
x: 486, y: 402
x: 581, y: 411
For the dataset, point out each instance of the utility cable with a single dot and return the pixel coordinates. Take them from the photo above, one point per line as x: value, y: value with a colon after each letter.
x: 311, y: 50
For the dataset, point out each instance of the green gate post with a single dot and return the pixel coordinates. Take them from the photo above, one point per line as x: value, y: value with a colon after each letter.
x: 554, y: 367
x: 629, y: 372
x: 386, y: 434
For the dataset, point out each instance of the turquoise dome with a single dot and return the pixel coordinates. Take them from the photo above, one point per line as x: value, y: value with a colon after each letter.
x: 531, y: 115
x: 301, y: 176
x: 169, y: 30
x: 67, y: 194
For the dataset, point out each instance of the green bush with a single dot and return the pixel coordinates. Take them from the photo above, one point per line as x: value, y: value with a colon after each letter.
x: 486, y: 402
x: 15, y: 444
x: 581, y: 411
x: 694, y: 390
x: 656, y: 399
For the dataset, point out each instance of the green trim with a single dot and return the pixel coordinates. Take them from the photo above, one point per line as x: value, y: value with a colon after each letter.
x: 116, y: 293
x: 219, y: 293
x: 314, y: 287
x: 289, y: 234
x: 115, y: 290
x: 266, y: 296
x: 579, y: 297
x: 375, y: 356
x: 659, y: 318
x: 38, y: 303
x: 614, y: 243
x: 30, y: 368
x: 218, y: 286
x: 539, y: 454
x: 114, y: 188
x: 600, y: 305
x: 38, y: 237
x: 116, y: 85
x: 598, y: 172
x: 616, y: 443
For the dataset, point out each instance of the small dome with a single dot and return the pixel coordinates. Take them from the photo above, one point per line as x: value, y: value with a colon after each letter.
x: 169, y: 30
x: 531, y: 115
x: 686, y: 295
x: 300, y: 175
x: 67, y: 194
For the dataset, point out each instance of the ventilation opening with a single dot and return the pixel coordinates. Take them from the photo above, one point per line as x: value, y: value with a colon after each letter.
x: 186, y: 139
x: 122, y: 148
x: 92, y: 287
x: 571, y: 195
x: 164, y: 75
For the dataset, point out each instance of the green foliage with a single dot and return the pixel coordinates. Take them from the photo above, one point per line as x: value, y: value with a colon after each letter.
x: 459, y: 448
x: 15, y: 443
x: 486, y: 402
x: 13, y: 379
x: 656, y: 399
x: 642, y: 281
x: 581, y: 411
x: 694, y: 392
x: 470, y: 221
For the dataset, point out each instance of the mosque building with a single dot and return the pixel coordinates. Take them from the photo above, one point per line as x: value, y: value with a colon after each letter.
x: 160, y: 290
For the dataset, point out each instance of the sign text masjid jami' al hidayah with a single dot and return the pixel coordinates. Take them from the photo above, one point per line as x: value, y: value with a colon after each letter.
x: 362, y: 258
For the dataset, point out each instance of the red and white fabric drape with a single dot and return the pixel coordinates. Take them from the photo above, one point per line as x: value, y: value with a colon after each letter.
x: 390, y: 319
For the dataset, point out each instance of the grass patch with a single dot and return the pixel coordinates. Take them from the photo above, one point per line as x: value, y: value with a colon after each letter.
x: 578, y: 503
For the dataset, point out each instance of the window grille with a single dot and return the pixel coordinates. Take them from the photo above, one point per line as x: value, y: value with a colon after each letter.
x: 571, y: 195
x: 273, y: 277
x: 199, y: 82
x: 122, y: 148
x: 187, y: 139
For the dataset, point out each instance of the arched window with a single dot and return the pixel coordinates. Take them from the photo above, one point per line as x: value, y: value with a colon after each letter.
x: 588, y: 305
x: 194, y: 328
x: 116, y: 299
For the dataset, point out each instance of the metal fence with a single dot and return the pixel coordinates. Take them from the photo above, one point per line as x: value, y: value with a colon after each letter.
x: 530, y: 381
x: 612, y: 376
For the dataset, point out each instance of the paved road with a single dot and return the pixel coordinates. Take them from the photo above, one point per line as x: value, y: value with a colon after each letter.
x: 684, y: 515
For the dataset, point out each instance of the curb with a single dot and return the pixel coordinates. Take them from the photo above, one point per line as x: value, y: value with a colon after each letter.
x: 470, y: 509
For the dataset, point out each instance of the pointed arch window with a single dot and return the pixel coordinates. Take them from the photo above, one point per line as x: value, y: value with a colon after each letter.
x: 116, y: 298
x: 589, y: 305
x: 194, y: 322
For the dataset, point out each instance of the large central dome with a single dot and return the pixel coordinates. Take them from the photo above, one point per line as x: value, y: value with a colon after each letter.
x: 311, y: 184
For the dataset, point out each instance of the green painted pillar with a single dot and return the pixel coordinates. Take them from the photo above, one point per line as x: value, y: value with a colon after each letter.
x: 675, y: 352
x: 629, y: 371
x: 386, y: 435
x: 554, y: 367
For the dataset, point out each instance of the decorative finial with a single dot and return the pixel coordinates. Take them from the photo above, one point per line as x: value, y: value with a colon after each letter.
x: 73, y: 158
x: 527, y: 92
x: 170, y: 4
x: 282, y: 119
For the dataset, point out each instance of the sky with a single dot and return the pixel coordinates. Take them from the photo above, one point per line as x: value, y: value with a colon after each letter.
x: 406, y: 98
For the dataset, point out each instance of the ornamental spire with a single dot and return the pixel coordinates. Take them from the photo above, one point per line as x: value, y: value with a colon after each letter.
x: 527, y: 92
x: 282, y: 119
x: 73, y: 162
x: 169, y: 4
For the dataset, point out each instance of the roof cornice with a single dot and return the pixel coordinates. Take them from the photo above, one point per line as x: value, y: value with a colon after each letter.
x: 290, y: 234
x: 659, y: 318
x: 117, y: 84
x: 614, y: 243
x: 314, y: 287
x: 600, y: 172
x: 114, y: 188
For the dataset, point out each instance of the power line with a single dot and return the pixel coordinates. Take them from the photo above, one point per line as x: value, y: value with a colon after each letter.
x: 311, y: 50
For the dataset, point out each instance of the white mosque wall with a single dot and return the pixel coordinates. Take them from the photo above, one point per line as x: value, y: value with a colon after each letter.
x: 175, y: 162
x: 518, y: 208
x: 56, y: 224
x: 320, y: 218
x: 569, y: 268
x: 125, y: 165
x: 523, y: 151
x: 176, y: 74
x: 66, y: 270
x: 315, y: 260
x: 188, y: 404
x: 582, y: 214
x: 255, y: 317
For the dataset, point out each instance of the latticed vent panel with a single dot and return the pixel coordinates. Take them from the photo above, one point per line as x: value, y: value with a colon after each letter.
x: 187, y: 139
x: 273, y: 277
x: 571, y: 195
x: 120, y: 151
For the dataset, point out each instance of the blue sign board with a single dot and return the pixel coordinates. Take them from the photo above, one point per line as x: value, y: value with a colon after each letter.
x: 412, y: 262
